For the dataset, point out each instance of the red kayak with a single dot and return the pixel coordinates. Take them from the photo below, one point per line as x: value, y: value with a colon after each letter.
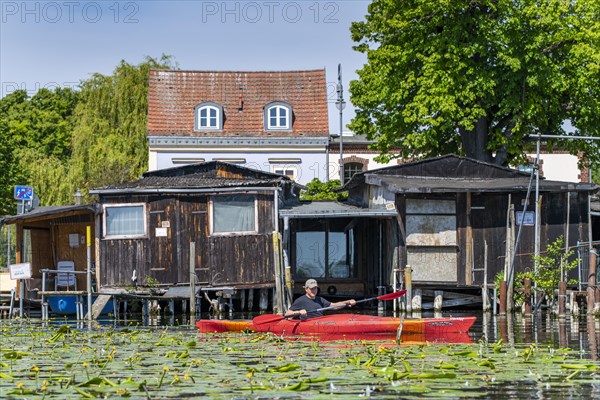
x: 356, y: 323
x: 224, y: 325
x: 341, y: 324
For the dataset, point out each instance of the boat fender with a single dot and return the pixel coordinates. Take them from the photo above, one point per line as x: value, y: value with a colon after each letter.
x: 331, y: 290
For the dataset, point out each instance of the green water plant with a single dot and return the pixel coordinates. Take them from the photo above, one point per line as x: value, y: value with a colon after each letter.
x: 553, y: 266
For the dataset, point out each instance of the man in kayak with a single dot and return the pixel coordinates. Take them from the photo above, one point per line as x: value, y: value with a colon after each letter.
x: 308, y: 306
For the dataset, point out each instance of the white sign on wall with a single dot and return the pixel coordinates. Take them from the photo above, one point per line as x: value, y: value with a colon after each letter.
x: 527, y: 218
x: 20, y: 271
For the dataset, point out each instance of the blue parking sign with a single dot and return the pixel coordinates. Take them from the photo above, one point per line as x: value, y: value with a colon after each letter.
x: 24, y: 193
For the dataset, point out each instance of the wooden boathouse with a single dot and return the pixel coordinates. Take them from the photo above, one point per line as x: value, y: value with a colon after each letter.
x: 228, y: 213
x: 244, y: 236
x: 457, y: 218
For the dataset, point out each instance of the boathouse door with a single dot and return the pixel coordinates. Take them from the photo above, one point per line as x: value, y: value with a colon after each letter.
x: 431, y: 240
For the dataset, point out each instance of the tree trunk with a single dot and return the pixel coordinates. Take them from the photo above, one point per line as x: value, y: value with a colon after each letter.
x: 475, y: 141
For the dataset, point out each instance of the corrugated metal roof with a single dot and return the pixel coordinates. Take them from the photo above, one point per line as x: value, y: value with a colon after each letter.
x: 412, y: 184
x: 49, y: 211
x: 332, y: 209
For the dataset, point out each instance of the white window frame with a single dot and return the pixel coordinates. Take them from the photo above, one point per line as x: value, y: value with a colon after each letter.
x: 236, y: 233
x: 208, y: 107
x: 105, y: 235
x: 278, y: 106
x: 285, y: 167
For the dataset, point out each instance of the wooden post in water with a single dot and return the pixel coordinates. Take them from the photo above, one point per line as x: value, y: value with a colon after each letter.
x: 527, y: 290
x: 503, y: 298
x: 562, y: 298
x: 408, y: 282
x: 485, y: 298
x: 192, y: 283
x: 591, y: 292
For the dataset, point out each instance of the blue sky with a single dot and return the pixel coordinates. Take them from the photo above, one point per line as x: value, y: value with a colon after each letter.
x: 59, y: 43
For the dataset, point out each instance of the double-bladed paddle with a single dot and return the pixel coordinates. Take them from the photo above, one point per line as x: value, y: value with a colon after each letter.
x: 270, y: 318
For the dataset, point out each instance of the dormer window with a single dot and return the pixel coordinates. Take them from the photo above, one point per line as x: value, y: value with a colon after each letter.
x: 209, y: 116
x: 278, y: 116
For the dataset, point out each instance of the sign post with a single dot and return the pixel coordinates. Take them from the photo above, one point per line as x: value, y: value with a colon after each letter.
x: 23, y: 193
x: 20, y: 272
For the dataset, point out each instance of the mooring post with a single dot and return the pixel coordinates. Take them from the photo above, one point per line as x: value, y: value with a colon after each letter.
x: 192, y: 283
x: 527, y: 291
x: 591, y: 289
x: 562, y: 298
x: 417, y: 301
x: 438, y: 301
x: 88, y: 245
x: 408, y: 283
x: 503, y: 298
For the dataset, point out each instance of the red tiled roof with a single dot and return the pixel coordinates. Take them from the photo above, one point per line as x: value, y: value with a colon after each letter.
x: 173, y: 95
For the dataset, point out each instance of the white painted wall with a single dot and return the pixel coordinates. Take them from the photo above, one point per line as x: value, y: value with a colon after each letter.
x: 559, y: 167
x: 312, y: 165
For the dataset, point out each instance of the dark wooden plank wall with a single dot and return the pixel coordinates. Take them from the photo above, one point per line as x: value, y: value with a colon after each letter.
x: 245, y: 259
x: 220, y: 259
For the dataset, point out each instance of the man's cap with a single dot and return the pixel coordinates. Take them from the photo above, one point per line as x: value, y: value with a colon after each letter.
x: 311, y: 283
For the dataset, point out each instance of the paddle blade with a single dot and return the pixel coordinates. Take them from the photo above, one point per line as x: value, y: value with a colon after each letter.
x: 267, y: 319
x: 392, y: 296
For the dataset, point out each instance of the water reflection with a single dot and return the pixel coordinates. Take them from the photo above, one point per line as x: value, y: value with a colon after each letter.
x: 576, y: 332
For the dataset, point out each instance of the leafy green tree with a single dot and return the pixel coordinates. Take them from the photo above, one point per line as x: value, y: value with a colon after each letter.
x: 109, y: 139
x: 553, y: 266
x: 317, y: 190
x: 477, y: 77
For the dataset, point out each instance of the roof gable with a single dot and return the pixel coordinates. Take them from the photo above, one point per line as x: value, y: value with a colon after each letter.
x: 209, y: 175
x: 173, y: 96
x: 447, y: 166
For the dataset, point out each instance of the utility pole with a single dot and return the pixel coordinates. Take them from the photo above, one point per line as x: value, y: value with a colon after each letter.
x: 340, y: 104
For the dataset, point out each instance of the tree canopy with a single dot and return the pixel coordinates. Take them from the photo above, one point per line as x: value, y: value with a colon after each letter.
x: 63, y: 140
x: 478, y: 77
x: 317, y: 190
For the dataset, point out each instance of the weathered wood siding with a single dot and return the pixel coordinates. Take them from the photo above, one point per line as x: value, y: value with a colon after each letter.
x: 482, y: 219
x: 219, y: 259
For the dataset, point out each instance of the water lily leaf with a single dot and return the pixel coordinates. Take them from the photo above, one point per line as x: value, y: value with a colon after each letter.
x: 429, y: 375
x: 487, y: 363
x: 5, y: 376
x: 93, y: 381
x: 22, y: 392
x: 84, y: 393
x: 466, y: 353
x: 284, y: 368
x: 254, y: 387
x: 445, y: 365
x: 317, y: 380
x: 298, y: 387
x: 579, y: 366
x: 191, y: 344
x: 15, y: 355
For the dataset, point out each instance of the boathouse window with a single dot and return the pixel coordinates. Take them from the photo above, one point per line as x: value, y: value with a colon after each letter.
x: 324, y: 248
x: 124, y: 221
x: 233, y: 214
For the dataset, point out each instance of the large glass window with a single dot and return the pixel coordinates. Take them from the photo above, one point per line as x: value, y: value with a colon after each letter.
x: 324, y: 249
x: 124, y: 220
x: 233, y: 214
